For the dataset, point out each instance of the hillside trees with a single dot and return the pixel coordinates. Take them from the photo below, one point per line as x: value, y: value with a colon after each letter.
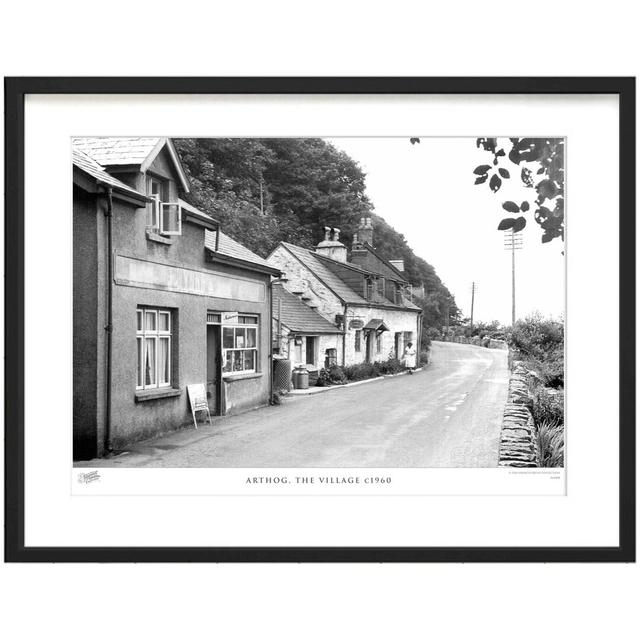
x: 267, y: 190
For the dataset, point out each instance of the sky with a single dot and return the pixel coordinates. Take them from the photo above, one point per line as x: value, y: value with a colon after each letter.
x: 426, y: 191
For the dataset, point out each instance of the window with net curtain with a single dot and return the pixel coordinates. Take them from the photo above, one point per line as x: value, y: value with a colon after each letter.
x: 153, y: 342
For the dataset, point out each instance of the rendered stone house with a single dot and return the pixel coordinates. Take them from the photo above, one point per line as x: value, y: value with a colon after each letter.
x: 162, y: 299
x: 302, y: 334
x: 366, y: 297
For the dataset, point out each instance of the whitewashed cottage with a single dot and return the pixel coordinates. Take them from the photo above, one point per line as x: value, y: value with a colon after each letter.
x: 367, y: 297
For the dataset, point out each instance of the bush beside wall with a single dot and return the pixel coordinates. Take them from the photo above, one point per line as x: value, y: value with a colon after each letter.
x: 357, y: 372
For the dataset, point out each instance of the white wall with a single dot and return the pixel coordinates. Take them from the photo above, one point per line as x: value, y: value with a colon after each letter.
x: 396, y: 321
x: 298, y: 354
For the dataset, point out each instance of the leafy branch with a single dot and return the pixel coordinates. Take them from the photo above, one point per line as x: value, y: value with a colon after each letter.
x: 548, y: 155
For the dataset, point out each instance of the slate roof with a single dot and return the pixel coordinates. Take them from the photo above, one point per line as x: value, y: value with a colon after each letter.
x: 340, y: 288
x: 229, y: 247
x: 91, y: 167
x: 297, y: 316
x: 318, y: 265
x: 110, y: 151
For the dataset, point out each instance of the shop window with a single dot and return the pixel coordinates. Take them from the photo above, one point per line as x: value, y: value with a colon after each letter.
x: 358, y: 343
x: 240, y: 345
x: 162, y: 216
x: 153, y: 348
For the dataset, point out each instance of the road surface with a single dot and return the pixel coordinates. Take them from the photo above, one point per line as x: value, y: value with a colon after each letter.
x: 448, y: 415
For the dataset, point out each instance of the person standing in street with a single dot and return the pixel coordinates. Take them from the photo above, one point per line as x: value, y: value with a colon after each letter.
x: 410, y: 357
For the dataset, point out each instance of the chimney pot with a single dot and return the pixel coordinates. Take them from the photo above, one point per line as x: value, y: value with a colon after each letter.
x: 331, y: 245
x: 365, y: 231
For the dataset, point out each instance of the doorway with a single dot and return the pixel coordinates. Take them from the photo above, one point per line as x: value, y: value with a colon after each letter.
x: 368, y: 346
x: 311, y: 351
x: 214, y: 369
x: 398, y: 345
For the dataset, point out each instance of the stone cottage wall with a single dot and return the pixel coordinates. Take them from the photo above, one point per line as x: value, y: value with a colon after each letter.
x: 301, y: 280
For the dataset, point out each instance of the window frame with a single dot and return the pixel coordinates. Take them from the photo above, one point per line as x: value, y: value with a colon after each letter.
x: 155, y: 214
x: 158, y: 335
x: 166, y: 232
x: 369, y: 288
x: 358, y: 341
x: 244, y: 322
x: 398, y: 294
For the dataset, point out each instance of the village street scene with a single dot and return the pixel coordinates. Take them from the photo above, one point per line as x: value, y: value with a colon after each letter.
x: 311, y: 302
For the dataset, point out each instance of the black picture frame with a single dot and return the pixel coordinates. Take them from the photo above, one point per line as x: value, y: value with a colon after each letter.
x: 15, y: 91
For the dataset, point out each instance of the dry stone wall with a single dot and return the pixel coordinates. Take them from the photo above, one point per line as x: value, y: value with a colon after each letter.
x: 518, y: 438
x: 489, y: 343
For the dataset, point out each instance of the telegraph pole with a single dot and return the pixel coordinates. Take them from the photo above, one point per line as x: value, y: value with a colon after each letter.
x: 513, y: 242
x: 473, y: 295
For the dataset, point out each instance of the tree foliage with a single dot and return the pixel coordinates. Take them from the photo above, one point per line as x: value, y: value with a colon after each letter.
x: 267, y: 190
x: 540, y: 162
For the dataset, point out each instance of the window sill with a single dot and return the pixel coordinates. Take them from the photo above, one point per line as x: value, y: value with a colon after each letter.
x: 156, y: 237
x: 242, y: 376
x: 156, y: 394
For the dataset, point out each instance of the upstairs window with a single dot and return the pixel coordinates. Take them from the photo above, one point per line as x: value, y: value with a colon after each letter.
x: 162, y: 216
x: 398, y: 294
x: 368, y: 288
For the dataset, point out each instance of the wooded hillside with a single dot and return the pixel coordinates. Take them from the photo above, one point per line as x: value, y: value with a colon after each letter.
x: 266, y: 190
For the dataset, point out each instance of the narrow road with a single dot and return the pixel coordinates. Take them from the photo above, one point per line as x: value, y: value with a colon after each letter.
x: 447, y: 415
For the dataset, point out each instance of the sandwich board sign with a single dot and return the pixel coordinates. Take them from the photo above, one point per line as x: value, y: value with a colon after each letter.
x: 198, y: 400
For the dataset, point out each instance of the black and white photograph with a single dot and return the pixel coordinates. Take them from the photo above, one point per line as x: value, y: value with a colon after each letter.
x: 326, y: 303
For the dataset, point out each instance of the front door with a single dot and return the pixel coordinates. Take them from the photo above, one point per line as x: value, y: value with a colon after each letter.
x: 369, y: 345
x: 311, y: 351
x: 214, y: 369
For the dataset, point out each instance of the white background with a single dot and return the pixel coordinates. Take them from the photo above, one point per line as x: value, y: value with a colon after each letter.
x: 320, y: 601
x: 54, y: 517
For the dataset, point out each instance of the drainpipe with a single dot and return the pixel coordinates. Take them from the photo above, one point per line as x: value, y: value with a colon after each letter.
x: 273, y: 281
x: 109, y: 326
x: 270, y: 333
x: 344, y: 337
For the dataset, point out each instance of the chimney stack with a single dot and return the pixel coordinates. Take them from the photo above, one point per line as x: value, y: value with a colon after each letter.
x: 365, y: 232
x: 331, y: 245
